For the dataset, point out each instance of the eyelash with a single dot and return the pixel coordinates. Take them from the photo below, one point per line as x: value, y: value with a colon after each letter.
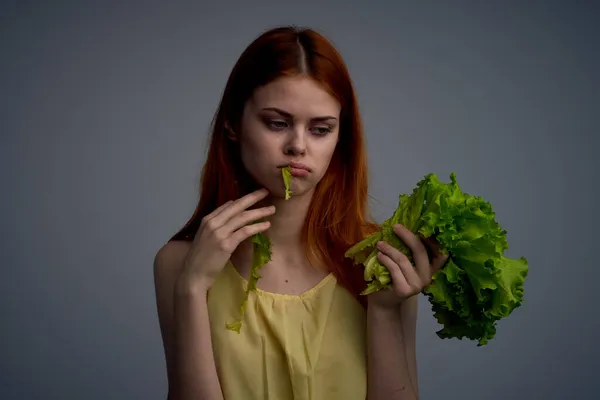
x: 271, y: 124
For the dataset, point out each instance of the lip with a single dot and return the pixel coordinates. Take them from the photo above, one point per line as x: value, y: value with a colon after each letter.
x: 298, y: 165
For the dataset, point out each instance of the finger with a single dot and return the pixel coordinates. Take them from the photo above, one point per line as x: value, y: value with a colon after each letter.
x: 240, y: 205
x: 438, y: 259
x: 438, y: 262
x: 246, y: 217
x: 433, y: 245
x: 218, y: 210
x: 419, y: 252
x: 247, y: 231
x: 430, y: 246
x: 398, y: 278
x: 409, y: 272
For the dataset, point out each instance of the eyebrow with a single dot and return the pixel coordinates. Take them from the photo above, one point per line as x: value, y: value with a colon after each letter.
x: 288, y: 115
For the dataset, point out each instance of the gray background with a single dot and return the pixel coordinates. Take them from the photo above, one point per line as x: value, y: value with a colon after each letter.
x: 105, y: 109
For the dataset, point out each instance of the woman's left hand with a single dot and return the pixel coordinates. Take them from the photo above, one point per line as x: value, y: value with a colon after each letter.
x: 407, y: 280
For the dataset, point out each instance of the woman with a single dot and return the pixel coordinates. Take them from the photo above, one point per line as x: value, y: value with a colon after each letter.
x: 307, y: 333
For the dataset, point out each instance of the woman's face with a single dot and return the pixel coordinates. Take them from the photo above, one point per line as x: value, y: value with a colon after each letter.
x: 290, y: 120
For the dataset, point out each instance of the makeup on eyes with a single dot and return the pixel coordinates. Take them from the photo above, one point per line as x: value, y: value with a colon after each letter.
x: 278, y: 120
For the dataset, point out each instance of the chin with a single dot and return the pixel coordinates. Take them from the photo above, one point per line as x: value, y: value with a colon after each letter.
x: 303, y: 189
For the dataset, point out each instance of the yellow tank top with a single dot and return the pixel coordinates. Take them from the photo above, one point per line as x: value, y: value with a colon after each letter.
x: 291, y: 347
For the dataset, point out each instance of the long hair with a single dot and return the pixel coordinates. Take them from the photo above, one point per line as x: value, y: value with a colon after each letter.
x: 338, y: 215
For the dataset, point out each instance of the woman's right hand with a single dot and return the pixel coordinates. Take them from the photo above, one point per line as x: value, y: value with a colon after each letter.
x: 218, y: 236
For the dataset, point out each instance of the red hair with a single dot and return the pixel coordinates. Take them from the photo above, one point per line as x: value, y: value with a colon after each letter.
x: 338, y: 215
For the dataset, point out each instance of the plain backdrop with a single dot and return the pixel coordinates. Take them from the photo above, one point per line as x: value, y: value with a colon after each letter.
x: 104, y: 113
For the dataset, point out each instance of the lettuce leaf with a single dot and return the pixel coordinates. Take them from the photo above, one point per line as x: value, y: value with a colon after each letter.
x: 286, y: 173
x: 260, y: 256
x: 479, y: 285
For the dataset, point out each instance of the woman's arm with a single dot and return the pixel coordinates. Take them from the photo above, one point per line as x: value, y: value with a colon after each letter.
x: 392, y: 317
x: 185, y: 329
x: 392, y: 364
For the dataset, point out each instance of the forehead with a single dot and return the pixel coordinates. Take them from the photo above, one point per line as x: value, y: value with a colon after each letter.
x: 300, y: 96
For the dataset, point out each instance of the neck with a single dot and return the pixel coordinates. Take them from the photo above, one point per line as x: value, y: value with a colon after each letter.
x: 285, y: 232
x: 287, y: 223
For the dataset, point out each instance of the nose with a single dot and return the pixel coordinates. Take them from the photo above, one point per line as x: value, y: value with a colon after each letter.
x: 296, y: 143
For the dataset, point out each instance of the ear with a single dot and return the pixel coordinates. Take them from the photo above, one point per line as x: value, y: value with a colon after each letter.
x: 230, y: 133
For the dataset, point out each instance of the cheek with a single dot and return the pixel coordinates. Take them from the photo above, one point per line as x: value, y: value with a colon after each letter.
x: 255, y: 155
x: 327, y: 154
x: 255, y: 139
x: 250, y: 153
x: 249, y: 141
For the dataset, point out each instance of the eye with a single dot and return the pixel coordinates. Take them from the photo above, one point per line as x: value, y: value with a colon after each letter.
x: 322, y: 130
x: 276, y: 125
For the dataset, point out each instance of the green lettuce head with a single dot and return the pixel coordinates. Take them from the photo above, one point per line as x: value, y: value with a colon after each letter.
x: 478, y: 285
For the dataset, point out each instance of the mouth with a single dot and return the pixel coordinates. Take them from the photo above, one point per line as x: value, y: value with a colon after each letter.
x: 298, y: 165
x: 298, y: 169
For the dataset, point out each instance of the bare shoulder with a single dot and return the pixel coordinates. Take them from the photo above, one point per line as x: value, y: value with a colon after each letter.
x: 168, y: 264
x: 168, y: 261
